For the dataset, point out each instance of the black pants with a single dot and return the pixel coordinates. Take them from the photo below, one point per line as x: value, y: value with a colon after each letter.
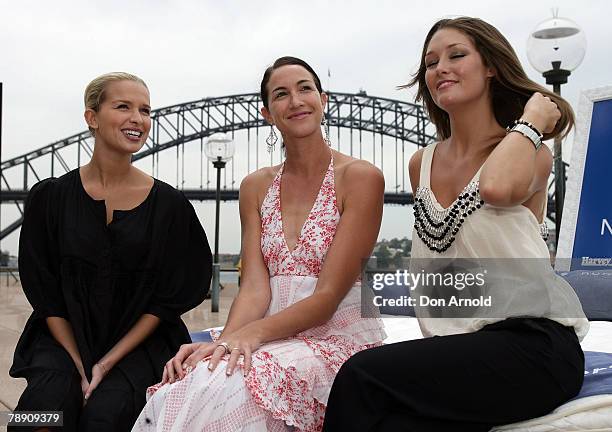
x: 507, y: 372
x: 55, y: 385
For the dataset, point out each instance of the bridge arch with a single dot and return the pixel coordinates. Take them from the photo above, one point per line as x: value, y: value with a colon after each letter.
x: 385, y: 126
x: 379, y: 122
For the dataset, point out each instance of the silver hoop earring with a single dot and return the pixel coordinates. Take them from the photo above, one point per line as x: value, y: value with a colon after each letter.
x: 272, y: 139
x: 326, y: 132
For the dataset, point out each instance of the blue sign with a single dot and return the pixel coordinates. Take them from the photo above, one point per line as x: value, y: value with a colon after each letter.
x: 586, y: 230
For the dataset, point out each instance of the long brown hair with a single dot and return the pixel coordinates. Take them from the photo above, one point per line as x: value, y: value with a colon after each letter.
x: 510, y: 87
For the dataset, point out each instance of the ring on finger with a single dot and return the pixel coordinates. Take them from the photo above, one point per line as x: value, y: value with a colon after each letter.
x: 225, y: 346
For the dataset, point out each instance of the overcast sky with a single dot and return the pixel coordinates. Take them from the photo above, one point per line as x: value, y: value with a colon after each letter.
x: 186, y: 50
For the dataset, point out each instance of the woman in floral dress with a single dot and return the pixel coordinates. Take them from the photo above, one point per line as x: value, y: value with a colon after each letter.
x: 297, y: 317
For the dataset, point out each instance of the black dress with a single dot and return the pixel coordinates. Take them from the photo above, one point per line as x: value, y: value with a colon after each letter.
x: 102, y: 278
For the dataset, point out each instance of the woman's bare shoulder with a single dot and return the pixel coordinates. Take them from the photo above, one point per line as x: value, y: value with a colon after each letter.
x: 255, y: 185
x: 259, y: 178
x: 350, y: 167
x: 414, y: 167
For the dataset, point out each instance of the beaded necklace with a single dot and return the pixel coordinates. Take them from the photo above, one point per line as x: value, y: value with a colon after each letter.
x: 437, y: 228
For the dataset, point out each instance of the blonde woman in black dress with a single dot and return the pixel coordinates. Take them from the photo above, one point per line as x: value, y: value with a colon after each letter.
x: 109, y: 259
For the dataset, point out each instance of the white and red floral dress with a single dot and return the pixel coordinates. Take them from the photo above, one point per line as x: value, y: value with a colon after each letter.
x: 289, y: 383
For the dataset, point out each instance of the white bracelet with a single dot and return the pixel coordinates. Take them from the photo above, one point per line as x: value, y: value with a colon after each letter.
x: 528, y: 133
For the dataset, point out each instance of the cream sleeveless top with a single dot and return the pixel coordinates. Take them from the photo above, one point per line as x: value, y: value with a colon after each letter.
x: 504, y: 244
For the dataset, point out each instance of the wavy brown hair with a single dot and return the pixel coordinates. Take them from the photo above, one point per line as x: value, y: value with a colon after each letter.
x: 510, y: 87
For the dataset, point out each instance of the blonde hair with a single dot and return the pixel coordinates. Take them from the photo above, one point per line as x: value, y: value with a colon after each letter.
x: 510, y: 87
x: 94, y: 92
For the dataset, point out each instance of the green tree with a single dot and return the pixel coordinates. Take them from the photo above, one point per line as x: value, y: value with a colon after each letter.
x: 397, y: 260
x: 395, y: 243
x: 406, y: 247
x: 383, y: 257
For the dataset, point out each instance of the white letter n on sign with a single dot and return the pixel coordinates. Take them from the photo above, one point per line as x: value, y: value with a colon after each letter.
x: 605, y: 224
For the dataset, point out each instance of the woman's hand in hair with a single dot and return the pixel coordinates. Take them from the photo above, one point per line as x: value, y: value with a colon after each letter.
x: 541, y: 112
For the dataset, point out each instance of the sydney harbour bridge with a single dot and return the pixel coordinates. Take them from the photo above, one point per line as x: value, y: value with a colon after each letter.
x: 383, y: 131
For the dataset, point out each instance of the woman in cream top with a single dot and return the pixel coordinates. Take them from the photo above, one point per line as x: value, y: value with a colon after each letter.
x: 480, y: 196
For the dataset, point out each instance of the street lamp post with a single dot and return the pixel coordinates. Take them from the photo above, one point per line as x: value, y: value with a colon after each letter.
x: 219, y: 149
x: 218, y: 164
x: 555, y: 48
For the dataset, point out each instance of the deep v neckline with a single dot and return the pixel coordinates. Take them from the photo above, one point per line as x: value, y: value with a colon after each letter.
x: 298, y: 241
x: 437, y: 203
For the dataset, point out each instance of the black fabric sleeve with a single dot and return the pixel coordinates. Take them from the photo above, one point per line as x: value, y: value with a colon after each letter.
x: 183, y: 279
x: 39, y: 258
